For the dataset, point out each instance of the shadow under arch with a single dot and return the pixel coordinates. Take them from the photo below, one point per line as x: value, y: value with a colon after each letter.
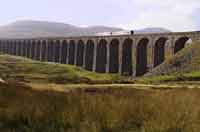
x: 101, y: 56
x: 114, y: 56
x: 71, y: 56
x: 50, y: 51
x: 43, y: 50
x: 127, y: 57
x: 89, y: 55
x: 64, y: 52
x: 159, y: 51
x: 24, y: 48
x: 141, y: 57
x: 38, y: 48
x: 33, y: 45
x: 180, y: 44
x: 57, y: 51
x: 80, y: 53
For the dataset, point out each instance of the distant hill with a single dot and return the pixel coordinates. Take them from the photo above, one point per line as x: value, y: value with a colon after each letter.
x: 31, y: 29
x: 27, y: 29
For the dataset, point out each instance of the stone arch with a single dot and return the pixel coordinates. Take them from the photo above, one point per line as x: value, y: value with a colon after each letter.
x: 57, y: 51
x: 114, y: 56
x: 43, y: 50
x: 180, y: 44
x: 4, y: 46
x: 11, y: 47
x: 127, y: 57
x: 1, y: 45
x: 64, y: 52
x: 89, y: 55
x: 101, y: 56
x: 8, y: 45
x: 24, y: 48
x: 33, y: 49
x: 28, y: 49
x: 159, y: 51
x: 141, y: 57
x: 19, y: 48
x: 38, y: 48
x: 80, y: 53
x: 14, y: 47
x: 71, y: 57
x: 50, y: 51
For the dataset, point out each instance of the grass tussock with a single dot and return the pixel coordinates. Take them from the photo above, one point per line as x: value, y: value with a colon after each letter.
x: 115, y: 110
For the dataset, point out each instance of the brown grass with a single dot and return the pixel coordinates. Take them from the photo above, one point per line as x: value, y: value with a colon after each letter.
x: 111, y: 110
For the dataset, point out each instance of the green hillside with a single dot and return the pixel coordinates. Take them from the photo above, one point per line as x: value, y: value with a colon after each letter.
x: 26, y: 70
x: 187, y: 60
x: 184, y: 66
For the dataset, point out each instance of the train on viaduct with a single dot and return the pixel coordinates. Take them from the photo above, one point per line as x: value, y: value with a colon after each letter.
x: 129, y: 55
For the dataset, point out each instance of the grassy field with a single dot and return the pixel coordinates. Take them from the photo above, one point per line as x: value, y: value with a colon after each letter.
x: 113, y: 110
x: 27, y: 70
x: 47, y: 97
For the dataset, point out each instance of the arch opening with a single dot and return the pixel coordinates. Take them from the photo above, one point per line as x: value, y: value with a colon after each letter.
x: 127, y: 57
x: 114, y: 56
x: 8, y: 46
x: 11, y: 47
x: 19, y: 48
x: 180, y: 44
x: 89, y: 55
x: 101, y: 56
x: 64, y: 52
x: 38, y: 45
x: 71, y: 56
x: 1, y: 49
x: 141, y: 57
x: 80, y: 53
x: 28, y: 49
x: 50, y: 51
x: 57, y: 51
x: 32, y: 49
x: 159, y: 51
x: 43, y: 50
x: 24, y: 48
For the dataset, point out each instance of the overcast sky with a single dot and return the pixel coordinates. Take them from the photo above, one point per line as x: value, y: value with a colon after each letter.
x: 176, y: 15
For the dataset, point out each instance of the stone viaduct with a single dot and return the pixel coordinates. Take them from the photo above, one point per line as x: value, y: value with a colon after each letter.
x: 130, y: 55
